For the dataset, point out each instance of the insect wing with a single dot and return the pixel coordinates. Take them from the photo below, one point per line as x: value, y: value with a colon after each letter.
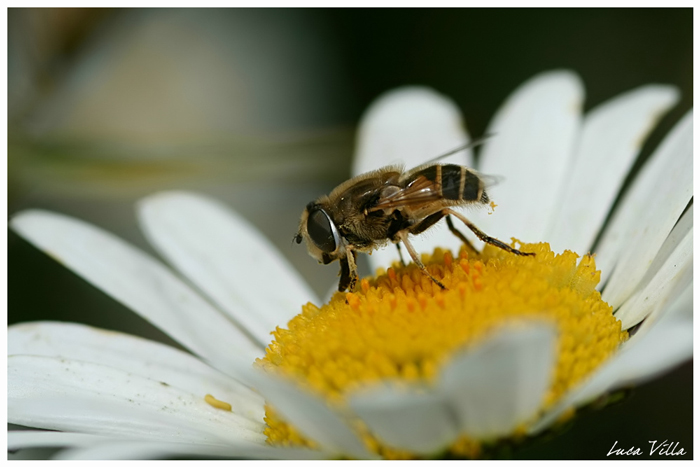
x: 470, y: 145
x: 491, y: 180
x: 420, y: 191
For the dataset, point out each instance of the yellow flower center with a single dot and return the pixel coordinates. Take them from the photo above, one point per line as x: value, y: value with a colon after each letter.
x: 401, y: 324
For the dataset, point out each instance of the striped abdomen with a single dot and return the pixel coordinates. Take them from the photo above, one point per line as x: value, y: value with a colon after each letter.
x: 457, y: 183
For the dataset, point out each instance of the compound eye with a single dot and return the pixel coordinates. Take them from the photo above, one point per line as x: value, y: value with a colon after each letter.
x: 322, y: 231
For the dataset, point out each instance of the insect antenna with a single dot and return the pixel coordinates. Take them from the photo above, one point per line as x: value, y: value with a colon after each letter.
x: 472, y: 144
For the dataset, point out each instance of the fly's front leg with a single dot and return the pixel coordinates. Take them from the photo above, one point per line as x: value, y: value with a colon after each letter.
x: 353, y: 269
x: 348, y: 272
x: 344, y: 275
x: 482, y: 236
x: 416, y: 259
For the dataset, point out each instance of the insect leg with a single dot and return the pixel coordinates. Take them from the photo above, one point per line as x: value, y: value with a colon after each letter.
x: 344, y: 274
x: 416, y: 259
x: 426, y: 223
x: 398, y: 248
x: 483, y: 237
x: 416, y: 229
x: 348, y: 272
x: 459, y: 234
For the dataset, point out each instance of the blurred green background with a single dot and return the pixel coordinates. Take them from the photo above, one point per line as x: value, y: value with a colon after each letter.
x: 259, y: 108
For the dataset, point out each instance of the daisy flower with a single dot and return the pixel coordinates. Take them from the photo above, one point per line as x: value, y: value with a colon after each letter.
x: 396, y: 367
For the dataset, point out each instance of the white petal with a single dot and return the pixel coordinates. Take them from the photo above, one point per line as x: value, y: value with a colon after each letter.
x: 410, y: 126
x: 60, y: 394
x: 310, y: 415
x: 612, y: 136
x: 407, y: 418
x: 140, y: 282
x: 502, y: 382
x: 675, y: 275
x: 647, y: 214
x: 678, y: 308
x: 677, y: 235
x: 667, y: 344
x: 24, y: 439
x: 140, y: 450
x: 226, y: 258
x: 145, y: 358
x: 104, y: 447
x: 534, y: 135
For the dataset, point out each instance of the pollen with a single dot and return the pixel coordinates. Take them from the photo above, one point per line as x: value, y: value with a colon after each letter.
x: 400, y: 324
x: 216, y: 403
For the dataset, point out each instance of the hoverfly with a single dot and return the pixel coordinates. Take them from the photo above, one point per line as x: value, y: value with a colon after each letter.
x: 386, y: 205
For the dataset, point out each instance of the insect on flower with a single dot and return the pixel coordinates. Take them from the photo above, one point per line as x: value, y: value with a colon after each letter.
x: 386, y: 205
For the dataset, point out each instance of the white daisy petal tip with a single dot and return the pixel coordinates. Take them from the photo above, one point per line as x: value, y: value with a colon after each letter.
x: 409, y: 98
x: 17, y: 220
x: 501, y: 382
x: 407, y: 103
x: 407, y: 417
x: 556, y: 90
x: 665, y: 97
x: 563, y: 81
x: 32, y: 224
x: 409, y: 126
x: 309, y: 414
x: 166, y: 197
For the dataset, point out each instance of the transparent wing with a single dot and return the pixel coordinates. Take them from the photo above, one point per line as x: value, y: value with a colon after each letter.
x: 419, y: 192
x: 470, y: 145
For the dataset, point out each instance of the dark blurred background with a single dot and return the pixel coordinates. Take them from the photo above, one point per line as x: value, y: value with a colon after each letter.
x: 259, y: 108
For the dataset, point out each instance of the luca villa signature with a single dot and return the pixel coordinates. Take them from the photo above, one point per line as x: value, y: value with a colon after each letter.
x: 664, y: 448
